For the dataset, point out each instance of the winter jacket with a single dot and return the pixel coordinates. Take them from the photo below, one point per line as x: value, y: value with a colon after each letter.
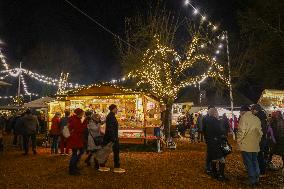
x: 213, y: 135
x: 111, y: 132
x: 225, y: 126
x: 199, y: 123
x: 249, y: 133
x: 94, y: 129
x: 63, y: 123
x: 55, y: 127
x: 279, y: 136
x: 76, y: 128
x: 30, y: 124
x: 264, y: 126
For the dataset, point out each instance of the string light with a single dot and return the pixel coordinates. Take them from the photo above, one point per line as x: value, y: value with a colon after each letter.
x: 197, y: 12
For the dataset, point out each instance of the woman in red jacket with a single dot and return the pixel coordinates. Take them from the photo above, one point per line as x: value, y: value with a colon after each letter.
x: 55, y: 132
x: 76, y: 140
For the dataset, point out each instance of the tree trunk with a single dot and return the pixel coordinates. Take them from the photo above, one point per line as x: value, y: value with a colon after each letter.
x: 168, y: 117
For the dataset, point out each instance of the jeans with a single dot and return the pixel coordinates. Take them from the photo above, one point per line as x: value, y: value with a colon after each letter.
x: 75, y: 158
x: 115, y: 149
x: 262, y: 162
x: 54, y: 144
x: 26, y: 141
x: 208, y: 164
x: 200, y: 136
x: 251, y: 164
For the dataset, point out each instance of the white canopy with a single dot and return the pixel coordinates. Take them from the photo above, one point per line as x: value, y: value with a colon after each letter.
x: 39, y: 103
x: 2, y: 83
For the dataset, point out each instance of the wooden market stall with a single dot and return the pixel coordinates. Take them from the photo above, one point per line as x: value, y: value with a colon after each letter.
x: 272, y: 100
x: 138, y: 113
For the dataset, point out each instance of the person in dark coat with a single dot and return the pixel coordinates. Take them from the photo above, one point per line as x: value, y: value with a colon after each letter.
x: 76, y: 140
x: 213, y: 135
x: 204, y: 125
x: 199, y: 128
x: 30, y: 127
x: 111, y: 135
x: 225, y: 123
x: 264, y: 148
x: 279, y: 135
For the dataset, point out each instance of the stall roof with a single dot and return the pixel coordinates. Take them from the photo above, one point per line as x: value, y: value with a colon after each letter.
x: 99, y: 90
x: 272, y: 97
x: 39, y: 103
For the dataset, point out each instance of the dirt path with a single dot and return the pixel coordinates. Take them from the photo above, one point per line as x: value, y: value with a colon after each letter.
x: 181, y: 168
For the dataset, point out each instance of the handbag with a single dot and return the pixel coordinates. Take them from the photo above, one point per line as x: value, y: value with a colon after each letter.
x: 226, y: 147
x: 66, y: 132
x: 99, y: 140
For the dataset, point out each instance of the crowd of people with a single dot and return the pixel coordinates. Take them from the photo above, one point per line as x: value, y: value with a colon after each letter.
x: 85, y: 133
x: 258, y: 138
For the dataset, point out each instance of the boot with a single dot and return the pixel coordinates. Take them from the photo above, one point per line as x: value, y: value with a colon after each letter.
x: 214, y: 169
x: 221, y: 175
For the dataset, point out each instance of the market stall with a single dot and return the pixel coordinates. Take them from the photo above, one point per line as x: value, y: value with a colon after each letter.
x: 272, y: 100
x: 138, y: 113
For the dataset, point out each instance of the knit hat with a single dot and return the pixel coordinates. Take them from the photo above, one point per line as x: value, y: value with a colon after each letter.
x: 244, y: 108
x: 111, y: 107
x: 78, y: 111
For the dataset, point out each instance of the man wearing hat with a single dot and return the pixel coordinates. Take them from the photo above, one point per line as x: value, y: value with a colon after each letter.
x: 249, y: 136
x: 259, y: 112
x: 111, y: 135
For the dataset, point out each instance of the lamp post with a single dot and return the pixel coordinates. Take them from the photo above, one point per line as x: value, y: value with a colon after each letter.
x: 230, y: 83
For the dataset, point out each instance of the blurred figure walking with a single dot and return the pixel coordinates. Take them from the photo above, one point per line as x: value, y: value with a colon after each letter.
x: 30, y: 126
x: 55, y: 132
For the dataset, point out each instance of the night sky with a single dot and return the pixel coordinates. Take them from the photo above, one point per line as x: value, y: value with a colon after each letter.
x: 25, y: 24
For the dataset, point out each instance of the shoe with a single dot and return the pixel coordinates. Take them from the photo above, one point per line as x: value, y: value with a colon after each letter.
x: 62, y: 154
x: 104, y: 169
x: 118, y: 170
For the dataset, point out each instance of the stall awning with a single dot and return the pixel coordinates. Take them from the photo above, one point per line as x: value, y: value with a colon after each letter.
x: 271, y: 97
x: 39, y: 103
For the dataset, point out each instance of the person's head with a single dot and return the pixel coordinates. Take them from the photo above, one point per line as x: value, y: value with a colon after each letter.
x: 256, y: 108
x: 113, y: 108
x: 57, y: 114
x: 213, y: 112
x: 224, y: 115
x: 96, y: 117
x: 88, y: 114
x: 67, y: 113
x: 28, y: 112
x: 244, y: 109
x: 79, y: 112
x: 210, y: 106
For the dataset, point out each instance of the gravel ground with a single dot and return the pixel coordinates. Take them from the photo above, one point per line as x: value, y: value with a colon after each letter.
x: 180, y: 168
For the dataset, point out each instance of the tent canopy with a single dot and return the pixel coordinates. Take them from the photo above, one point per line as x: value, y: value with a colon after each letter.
x: 3, y: 83
x: 39, y: 103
